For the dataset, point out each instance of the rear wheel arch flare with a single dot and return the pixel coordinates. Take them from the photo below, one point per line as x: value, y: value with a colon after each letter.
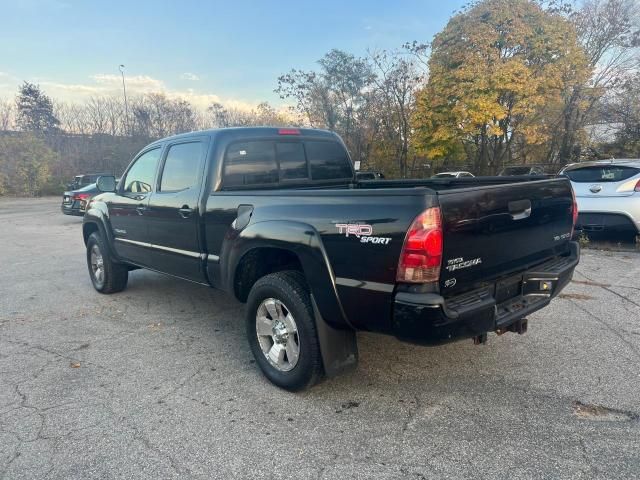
x: 259, y: 262
x: 299, y: 239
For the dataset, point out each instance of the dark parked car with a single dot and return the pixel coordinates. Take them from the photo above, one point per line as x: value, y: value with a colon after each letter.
x: 276, y: 218
x: 75, y: 202
x: 369, y: 176
x: 80, y: 181
x: 515, y: 170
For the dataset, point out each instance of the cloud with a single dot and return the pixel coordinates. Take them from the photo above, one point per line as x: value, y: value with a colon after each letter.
x: 190, y: 76
x: 137, y: 83
x: 102, y: 84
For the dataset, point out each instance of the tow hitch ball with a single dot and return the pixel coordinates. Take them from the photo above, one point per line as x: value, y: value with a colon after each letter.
x: 519, y: 327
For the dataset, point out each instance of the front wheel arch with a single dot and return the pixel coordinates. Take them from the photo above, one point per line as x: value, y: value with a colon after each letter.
x: 96, y: 225
x: 88, y: 229
x: 113, y: 276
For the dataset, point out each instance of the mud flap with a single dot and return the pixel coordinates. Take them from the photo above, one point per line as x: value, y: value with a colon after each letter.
x: 339, y: 348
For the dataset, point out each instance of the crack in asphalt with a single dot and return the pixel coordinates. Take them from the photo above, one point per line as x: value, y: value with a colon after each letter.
x: 591, y: 470
x: 140, y: 435
x: 57, y: 354
x: 6, y: 468
x: 614, y: 331
x: 608, y: 289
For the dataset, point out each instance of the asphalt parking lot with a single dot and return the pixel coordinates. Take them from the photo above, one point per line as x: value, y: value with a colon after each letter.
x: 158, y: 382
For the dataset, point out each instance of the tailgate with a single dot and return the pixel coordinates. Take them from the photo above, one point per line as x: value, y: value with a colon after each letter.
x: 492, y: 231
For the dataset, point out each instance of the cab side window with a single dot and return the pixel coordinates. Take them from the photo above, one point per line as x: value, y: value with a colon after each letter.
x: 181, y: 166
x: 250, y: 163
x: 140, y: 176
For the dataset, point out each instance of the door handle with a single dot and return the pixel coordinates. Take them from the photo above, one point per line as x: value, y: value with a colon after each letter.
x: 244, y: 215
x: 520, y: 209
x: 185, y: 211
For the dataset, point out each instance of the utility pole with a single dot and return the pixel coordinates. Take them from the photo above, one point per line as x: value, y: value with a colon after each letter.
x: 126, y: 106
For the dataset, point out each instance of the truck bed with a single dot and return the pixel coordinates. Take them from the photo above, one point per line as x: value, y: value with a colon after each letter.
x: 482, y: 240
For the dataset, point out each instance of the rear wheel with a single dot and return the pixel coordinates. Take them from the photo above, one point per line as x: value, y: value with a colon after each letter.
x: 282, y: 332
x: 106, y: 275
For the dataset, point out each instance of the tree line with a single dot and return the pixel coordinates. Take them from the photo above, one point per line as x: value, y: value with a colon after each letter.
x: 505, y: 82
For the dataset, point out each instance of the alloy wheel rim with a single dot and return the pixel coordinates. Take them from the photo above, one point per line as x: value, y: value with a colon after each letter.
x: 97, y: 265
x: 277, y: 334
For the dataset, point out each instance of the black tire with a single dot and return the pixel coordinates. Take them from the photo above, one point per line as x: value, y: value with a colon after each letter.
x: 114, y: 275
x: 291, y: 289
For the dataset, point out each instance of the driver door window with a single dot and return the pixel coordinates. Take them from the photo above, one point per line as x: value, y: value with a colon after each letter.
x: 128, y: 209
x: 142, y: 173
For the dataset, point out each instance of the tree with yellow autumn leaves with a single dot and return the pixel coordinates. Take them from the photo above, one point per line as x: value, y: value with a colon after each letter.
x: 506, y: 82
x: 498, y: 76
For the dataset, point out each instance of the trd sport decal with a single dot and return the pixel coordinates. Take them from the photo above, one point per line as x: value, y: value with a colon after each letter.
x: 357, y: 229
x: 460, y: 263
x: 362, y: 231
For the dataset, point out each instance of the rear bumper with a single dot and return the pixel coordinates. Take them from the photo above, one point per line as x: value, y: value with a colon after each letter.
x: 606, y: 222
x: 609, y: 213
x: 72, y: 209
x: 429, y: 319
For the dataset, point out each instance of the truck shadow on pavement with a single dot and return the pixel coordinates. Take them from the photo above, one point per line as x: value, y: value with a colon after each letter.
x: 212, y: 321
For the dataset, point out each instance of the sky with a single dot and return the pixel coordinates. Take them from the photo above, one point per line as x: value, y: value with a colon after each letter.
x: 231, y: 52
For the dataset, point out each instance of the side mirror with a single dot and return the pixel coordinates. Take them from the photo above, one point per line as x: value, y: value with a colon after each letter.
x: 106, y: 183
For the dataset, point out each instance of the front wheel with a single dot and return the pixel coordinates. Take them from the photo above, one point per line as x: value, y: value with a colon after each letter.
x: 282, y: 332
x: 106, y: 275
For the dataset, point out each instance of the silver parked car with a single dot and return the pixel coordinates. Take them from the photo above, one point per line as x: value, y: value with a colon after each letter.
x: 454, y: 175
x: 608, y: 194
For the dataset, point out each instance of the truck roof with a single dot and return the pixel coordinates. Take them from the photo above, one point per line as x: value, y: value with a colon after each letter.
x: 254, y: 132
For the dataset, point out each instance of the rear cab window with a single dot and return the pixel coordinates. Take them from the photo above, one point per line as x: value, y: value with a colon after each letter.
x: 328, y: 160
x: 292, y: 161
x: 276, y: 162
x: 601, y: 173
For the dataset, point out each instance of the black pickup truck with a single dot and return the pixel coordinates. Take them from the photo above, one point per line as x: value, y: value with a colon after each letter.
x: 277, y: 218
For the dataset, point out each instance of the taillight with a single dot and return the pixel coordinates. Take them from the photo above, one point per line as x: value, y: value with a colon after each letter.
x: 574, y: 211
x: 637, y: 189
x: 288, y: 131
x: 421, y: 255
x: 81, y: 196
